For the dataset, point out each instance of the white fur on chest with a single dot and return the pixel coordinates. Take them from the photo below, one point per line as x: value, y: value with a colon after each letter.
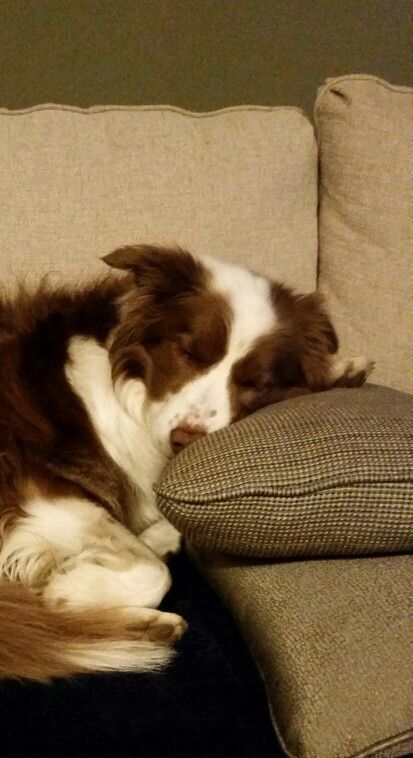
x: 123, y: 437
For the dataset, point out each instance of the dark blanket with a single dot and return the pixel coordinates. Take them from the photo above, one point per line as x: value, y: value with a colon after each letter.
x: 209, y: 703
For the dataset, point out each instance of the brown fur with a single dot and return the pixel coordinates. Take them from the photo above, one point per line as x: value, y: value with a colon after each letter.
x: 161, y: 323
x: 172, y: 327
x: 45, y: 434
x: 295, y: 359
x: 47, y: 443
x: 165, y: 326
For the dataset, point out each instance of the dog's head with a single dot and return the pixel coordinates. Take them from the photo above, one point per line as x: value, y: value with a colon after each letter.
x: 202, y: 343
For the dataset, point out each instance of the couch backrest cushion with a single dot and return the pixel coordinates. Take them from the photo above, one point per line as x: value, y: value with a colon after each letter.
x: 365, y: 134
x: 240, y: 184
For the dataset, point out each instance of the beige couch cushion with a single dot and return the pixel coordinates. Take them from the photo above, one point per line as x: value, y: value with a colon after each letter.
x: 333, y: 641
x: 325, y: 474
x: 366, y: 223
x: 239, y: 183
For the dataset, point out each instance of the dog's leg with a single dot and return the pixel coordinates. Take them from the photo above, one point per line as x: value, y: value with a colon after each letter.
x: 162, y: 538
x: 351, y: 373
x: 78, y: 556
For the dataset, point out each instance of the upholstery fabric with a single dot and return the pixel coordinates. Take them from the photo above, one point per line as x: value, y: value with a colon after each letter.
x: 324, y: 474
x: 333, y: 641
x: 239, y: 184
x: 365, y: 140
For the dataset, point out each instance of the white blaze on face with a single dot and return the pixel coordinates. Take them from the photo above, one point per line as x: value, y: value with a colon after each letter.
x: 205, y: 400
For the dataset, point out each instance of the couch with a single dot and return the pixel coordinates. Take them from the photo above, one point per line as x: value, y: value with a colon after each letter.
x: 306, y: 657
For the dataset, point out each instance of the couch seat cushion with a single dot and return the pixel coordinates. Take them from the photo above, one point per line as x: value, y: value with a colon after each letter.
x: 333, y: 641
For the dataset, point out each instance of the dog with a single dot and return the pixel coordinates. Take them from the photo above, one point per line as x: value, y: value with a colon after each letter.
x: 99, y: 387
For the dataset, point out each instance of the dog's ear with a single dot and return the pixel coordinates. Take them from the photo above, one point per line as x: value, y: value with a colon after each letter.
x: 316, y: 322
x: 318, y: 340
x: 307, y: 340
x: 138, y: 258
x: 126, y: 258
x: 165, y: 272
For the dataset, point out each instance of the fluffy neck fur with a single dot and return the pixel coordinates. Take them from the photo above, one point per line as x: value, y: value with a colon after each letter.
x: 117, y: 416
x: 60, y: 418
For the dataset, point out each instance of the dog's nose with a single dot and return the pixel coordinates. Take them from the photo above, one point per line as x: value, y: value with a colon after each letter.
x: 184, y: 435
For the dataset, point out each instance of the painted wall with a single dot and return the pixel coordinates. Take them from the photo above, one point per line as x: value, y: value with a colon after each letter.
x: 199, y: 54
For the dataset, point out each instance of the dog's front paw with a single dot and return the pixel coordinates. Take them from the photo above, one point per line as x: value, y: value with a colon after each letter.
x: 167, y: 628
x: 154, y: 625
x: 358, y: 370
x: 162, y: 538
x: 352, y: 373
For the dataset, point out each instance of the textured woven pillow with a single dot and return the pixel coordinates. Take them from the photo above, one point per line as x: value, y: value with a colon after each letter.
x: 325, y: 474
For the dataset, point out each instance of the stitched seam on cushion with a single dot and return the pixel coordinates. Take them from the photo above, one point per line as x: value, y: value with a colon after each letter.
x: 398, y: 739
x: 165, y: 495
x: 149, y: 108
x: 276, y: 728
x: 262, y: 529
x: 403, y: 90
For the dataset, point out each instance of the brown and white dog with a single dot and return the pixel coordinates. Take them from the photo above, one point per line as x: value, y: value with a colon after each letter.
x: 98, y: 388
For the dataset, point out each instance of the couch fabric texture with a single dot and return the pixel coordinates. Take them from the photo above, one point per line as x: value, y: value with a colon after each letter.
x: 324, y: 474
x: 331, y: 638
x: 364, y: 128
x: 239, y: 184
